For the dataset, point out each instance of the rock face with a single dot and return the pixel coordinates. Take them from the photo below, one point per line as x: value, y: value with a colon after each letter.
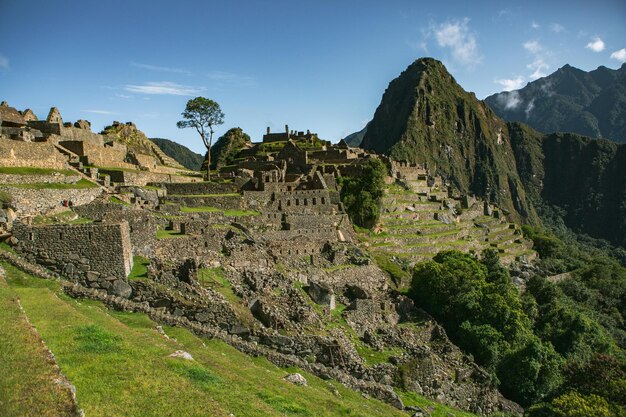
x: 570, y: 100
x: 425, y: 117
x: 581, y: 177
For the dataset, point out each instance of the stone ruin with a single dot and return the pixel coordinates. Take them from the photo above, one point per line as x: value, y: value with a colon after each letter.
x: 278, y: 233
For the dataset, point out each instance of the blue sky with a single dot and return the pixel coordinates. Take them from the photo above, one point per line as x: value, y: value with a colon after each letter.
x: 319, y: 65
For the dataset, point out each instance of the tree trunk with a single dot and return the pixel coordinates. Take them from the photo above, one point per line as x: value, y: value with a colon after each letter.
x: 208, y: 164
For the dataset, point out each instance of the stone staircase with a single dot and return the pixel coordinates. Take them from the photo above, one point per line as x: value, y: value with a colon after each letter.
x: 88, y: 173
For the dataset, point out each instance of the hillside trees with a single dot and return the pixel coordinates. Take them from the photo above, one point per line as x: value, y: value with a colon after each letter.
x: 362, y: 195
x: 558, y: 348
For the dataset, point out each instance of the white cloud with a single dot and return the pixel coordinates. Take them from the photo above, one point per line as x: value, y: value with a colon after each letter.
x: 509, y: 84
x: 104, y: 112
x: 538, y: 67
x: 619, y: 55
x: 529, y: 108
x: 163, y: 88
x: 534, y: 25
x: 597, y: 45
x: 158, y: 68
x: 556, y: 28
x: 4, y: 62
x: 457, y: 36
x: 510, y: 100
x: 533, y: 47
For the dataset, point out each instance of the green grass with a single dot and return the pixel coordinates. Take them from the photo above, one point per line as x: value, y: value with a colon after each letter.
x: 214, y: 278
x: 26, y: 376
x: 140, y: 268
x: 35, y: 171
x: 229, y: 213
x: 65, y: 217
x: 120, y: 366
x: 433, y: 408
x: 116, y: 200
x: 80, y: 184
x: 395, y: 271
x: 5, y: 246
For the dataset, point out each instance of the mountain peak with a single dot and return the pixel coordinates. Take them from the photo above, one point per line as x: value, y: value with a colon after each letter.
x: 426, y: 117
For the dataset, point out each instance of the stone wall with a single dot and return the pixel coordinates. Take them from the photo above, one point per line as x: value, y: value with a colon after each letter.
x: 312, y: 221
x: 304, y: 201
x: 31, y: 201
x: 206, y: 247
x: 199, y: 188
x: 46, y: 127
x: 226, y: 202
x: 97, y: 255
x: 30, y: 154
x: 140, y: 178
x: 318, y: 234
x: 76, y: 133
x: 98, y: 155
x: 53, y: 178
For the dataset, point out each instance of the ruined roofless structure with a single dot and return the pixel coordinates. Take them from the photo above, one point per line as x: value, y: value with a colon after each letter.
x: 286, y: 135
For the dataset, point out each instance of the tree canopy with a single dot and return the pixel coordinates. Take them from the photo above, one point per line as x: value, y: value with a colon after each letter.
x: 202, y: 114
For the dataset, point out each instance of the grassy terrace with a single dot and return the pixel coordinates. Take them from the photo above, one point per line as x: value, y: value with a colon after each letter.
x: 35, y: 171
x: 229, y: 213
x: 168, y: 234
x: 140, y: 268
x: 27, y: 378
x: 80, y: 184
x: 120, y: 366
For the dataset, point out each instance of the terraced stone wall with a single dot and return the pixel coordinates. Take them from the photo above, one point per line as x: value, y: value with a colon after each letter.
x: 15, y: 153
x: 97, y: 255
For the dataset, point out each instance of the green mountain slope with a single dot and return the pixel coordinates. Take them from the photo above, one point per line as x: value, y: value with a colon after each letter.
x: 354, y: 139
x: 579, y: 179
x: 185, y: 156
x: 426, y: 117
x: 570, y: 100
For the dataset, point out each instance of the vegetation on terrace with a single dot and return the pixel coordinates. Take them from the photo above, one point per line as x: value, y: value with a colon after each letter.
x: 120, y: 366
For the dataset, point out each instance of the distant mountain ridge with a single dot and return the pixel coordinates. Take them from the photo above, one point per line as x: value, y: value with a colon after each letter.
x: 427, y: 118
x: 354, y: 139
x: 570, y: 100
x: 185, y: 156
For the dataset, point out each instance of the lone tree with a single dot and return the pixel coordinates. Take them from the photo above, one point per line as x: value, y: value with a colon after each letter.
x: 202, y: 114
